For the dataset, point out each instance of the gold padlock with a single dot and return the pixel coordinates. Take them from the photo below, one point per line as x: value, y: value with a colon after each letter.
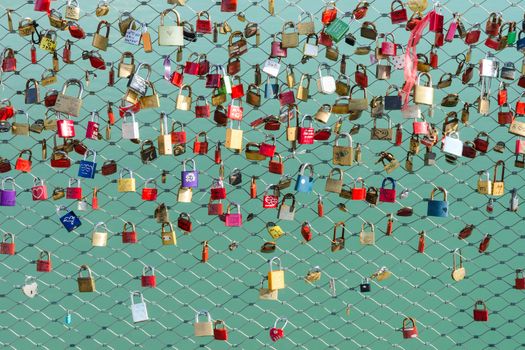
x: 49, y: 41
x: 168, y: 236
x: 234, y: 137
x: 185, y: 195
x: 85, y: 284
x: 101, y: 41
x: 126, y: 184
x: 484, y: 185
x: 72, y: 10
x: 275, y: 277
x: 126, y: 69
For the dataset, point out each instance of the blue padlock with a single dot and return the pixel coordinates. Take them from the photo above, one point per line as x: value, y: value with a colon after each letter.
x: 87, y: 168
x: 438, y: 208
x: 189, y: 178
x: 305, y: 183
x: 520, y: 44
x: 68, y: 319
x: 70, y: 220
x: 270, y: 90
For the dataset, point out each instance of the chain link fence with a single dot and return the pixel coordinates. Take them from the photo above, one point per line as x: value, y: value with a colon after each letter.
x: 329, y: 313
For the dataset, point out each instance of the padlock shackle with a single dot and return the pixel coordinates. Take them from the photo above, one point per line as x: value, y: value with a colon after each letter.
x: 389, y: 179
x: 303, y: 167
x: 188, y: 160
x: 204, y: 313
x: 85, y: 268
x: 343, y: 228
x: 336, y: 170
x: 124, y: 229
x: 275, y: 259
x: 439, y: 189
x: 502, y: 163
x: 136, y: 293
x: 341, y: 135
x: 147, y: 268
x: 9, y: 235
x: 124, y: 170
x: 409, y: 319
x: 480, y: 303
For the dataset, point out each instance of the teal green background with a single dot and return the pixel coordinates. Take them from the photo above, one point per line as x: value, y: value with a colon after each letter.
x: 227, y: 286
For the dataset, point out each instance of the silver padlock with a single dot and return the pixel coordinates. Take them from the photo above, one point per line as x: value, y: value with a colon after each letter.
x: 488, y: 66
x: 508, y: 71
x: 137, y: 83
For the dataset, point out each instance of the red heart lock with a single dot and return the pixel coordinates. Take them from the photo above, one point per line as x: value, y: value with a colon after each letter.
x: 276, y: 334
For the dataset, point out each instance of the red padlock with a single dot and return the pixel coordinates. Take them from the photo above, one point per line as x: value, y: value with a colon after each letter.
x: 74, y: 192
x: 203, y: 26
x: 49, y: 99
x: 287, y: 97
x: 229, y: 6
x: 200, y: 147
x: 184, y: 222
x: 66, y: 52
x: 505, y: 117
x: 268, y: 149
x: 481, y: 145
x: 149, y: 193
x: 473, y: 35
x: 520, y: 107
x: 502, y: 94
x: 436, y: 22
x: 276, y: 166
x: 42, y: 5
x: 217, y: 191
x: 218, y: 153
x: 359, y: 193
x: 420, y: 128
x: 434, y: 59
x: 202, y: 110
x: 65, y: 128
x: 192, y: 67
x: 399, y: 15
x: 421, y: 242
x: 7, y: 248
x: 220, y: 333
x: 22, y: 164
x: 213, y: 80
x: 9, y: 60
x: 329, y: 13
x: 306, y: 231
x: 129, y: 236
x: 39, y: 190
x: 148, y: 280
x: 399, y: 135
x: 205, y: 252
x: 253, y: 188
x: 360, y: 76
x: 389, y: 48
x: 439, y: 39
x: 320, y: 207
x: 177, y: 77
x: 178, y: 137
x: 409, y: 332
x: 271, y: 201
x: 306, y: 133
x: 204, y: 65
x: 481, y: 315
x: 235, y: 112
x: 93, y: 126
x: 43, y: 264
x: 519, y: 282
x: 6, y: 109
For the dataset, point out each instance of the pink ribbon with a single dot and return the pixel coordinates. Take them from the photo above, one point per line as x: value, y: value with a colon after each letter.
x: 411, y: 56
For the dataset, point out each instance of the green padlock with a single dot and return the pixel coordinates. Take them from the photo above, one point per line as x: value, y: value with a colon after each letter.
x: 274, y: 230
x: 337, y: 29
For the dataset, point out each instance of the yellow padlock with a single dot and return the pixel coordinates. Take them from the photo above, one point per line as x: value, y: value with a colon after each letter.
x: 126, y: 184
x: 168, y: 236
x: 275, y: 277
x: 49, y: 41
x: 274, y: 230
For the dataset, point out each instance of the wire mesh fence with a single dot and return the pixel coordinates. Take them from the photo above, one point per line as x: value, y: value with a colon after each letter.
x: 329, y: 313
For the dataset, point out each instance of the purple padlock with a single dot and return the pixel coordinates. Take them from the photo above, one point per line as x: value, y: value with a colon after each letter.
x: 189, y: 178
x: 8, y: 197
x: 233, y: 219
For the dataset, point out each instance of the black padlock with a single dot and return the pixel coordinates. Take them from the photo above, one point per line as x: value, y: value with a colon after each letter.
x: 365, y: 286
x: 430, y: 158
x: 350, y: 39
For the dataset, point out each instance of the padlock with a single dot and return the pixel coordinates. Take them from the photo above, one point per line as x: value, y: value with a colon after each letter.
x: 87, y: 169
x: 23, y: 164
x: 168, y: 235
x: 343, y: 155
x: 306, y: 132
x: 92, y: 129
x: 49, y: 41
x: 398, y: 15
x: 424, y: 94
x: 32, y: 92
x: 488, y: 66
x: 452, y: 145
x: 484, y: 185
x: 39, y: 190
x: 189, y: 178
x: 200, y: 147
x: 367, y: 237
x: 364, y: 287
x: 233, y: 219
x: 203, y: 329
x: 220, y: 333
x: 337, y: 29
x: 139, y: 311
x: 101, y: 41
x: 170, y: 35
x: 150, y: 193
x: 9, y: 60
x: 480, y: 315
x: 498, y: 185
x: 508, y: 71
x: 99, y: 237
x: 43, y: 264
x: 385, y: 194
x: 7, y: 248
x: 74, y: 191
x: 72, y: 10
x: 303, y: 88
x: 271, y: 200
x: 334, y: 184
x: 130, y: 129
x: 237, y: 47
x: 325, y: 83
x: 126, y: 184
x: 184, y: 222
x: 137, y: 83
x: 126, y: 69
x: 148, y: 280
x: 69, y: 104
x: 409, y: 332
x: 392, y: 102
x: 519, y: 282
x: 234, y: 137
x: 276, y: 277
x: 438, y: 208
x: 129, y: 236
x: 217, y: 191
x: 305, y: 183
x: 70, y: 220
x: 389, y: 48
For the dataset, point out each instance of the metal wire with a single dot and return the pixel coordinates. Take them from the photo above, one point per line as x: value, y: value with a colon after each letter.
x: 227, y: 286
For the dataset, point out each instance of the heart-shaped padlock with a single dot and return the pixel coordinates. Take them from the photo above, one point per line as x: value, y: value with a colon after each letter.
x: 30, y: 287
x: 278, y: 333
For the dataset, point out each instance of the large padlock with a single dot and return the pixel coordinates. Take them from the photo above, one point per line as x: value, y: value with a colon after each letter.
x: 87, y: 169
x: 69, y: 104
x: 65, y: 127
x: 170, y: 35
x: 126, y: 184
x: 343, y: 155
x: 74, y: 191
x: 271, y: 200
x: 488, y: 66
x: 306, y: 132
x: 139, y: 311
x: 438, y: 208
x: 69, y: 220
x: 325, y: 83
x: 452, y: 145
x: 287, y: 212
x: 234, y: 137
x: 337, y: 29
x: 424, y: 94
x: 150, y: 193
x: 304, y: 182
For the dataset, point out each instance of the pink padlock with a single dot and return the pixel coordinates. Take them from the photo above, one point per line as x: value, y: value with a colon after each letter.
x: 268, y: 149
x: 233, y: 219
x: 74, y: 192
x: 520, y: 146
x: 420, y: 128
x: 451, y: 32
x: 386, y: 194
x: 42, y: 5
x: 277, y: 49
x: 389, y: 48
x: 65, y: 128
x: 93, y: 126
x: 39, y: 190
